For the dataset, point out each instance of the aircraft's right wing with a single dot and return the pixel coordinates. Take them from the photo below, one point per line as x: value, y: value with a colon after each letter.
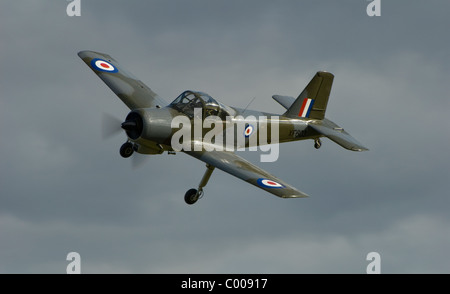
x: 133, y: 92
x: 243, y: 169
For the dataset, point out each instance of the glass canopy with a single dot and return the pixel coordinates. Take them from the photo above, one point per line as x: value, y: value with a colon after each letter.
x: 189, y: 100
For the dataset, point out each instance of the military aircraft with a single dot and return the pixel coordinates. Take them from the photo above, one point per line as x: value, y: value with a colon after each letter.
x: 150, y: 128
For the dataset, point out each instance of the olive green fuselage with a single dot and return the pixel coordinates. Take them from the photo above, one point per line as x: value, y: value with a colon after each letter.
x: 229, y: 131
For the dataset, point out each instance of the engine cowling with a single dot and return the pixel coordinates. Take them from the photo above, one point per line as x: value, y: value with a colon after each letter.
x: 152, y: 124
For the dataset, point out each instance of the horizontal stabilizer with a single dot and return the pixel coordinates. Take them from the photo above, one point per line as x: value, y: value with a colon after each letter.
x: 337, y: 134
x: 285, y: 101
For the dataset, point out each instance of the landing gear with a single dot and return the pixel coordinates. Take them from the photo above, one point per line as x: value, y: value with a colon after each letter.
x: 317, y: 143
x: 192, y: 195
x: 126, y: 150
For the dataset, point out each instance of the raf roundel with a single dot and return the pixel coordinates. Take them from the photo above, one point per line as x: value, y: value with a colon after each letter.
x: 266, y: 183
x: 248, y: 131
x: 103, y: 65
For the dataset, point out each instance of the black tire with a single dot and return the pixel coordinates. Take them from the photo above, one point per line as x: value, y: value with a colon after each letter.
x: 191, y: 196
x: 317, y: 144
x: 126, y: 150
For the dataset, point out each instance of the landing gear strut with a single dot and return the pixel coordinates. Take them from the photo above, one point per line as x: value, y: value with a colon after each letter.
x: 192, y: 195
x: 317, y: 143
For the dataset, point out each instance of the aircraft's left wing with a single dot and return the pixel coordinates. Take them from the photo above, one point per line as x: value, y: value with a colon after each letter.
x: 133, y: 92
x: 243, y: 169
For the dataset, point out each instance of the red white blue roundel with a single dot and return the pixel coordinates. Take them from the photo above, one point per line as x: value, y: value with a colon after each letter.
x: 103, y: 65
x: 248, y: 131
x: 265, y: 183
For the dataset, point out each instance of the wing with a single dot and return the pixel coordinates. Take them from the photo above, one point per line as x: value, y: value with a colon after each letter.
x: 243, y: 169
x: 133, y: 92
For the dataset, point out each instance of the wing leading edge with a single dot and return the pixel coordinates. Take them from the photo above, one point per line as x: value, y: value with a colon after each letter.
x: 133, y: 92
x: 244, y: 170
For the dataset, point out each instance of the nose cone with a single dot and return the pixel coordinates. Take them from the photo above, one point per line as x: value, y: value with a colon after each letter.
x: 129, y: 125
x: 133, y: 125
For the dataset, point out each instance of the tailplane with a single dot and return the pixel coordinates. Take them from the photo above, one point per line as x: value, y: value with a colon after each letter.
x: 335, y: 133
x: 312, y: 102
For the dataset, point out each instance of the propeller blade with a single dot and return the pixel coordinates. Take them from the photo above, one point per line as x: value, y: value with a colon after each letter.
x: 111, y: 125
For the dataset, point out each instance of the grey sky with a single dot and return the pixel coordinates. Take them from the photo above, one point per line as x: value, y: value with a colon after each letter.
x: 63, y: 188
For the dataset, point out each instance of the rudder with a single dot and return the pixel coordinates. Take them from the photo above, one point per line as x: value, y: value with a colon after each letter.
x: 312, y: 102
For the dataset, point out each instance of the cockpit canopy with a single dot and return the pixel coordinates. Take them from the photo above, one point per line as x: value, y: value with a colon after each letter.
x: 189, y: 100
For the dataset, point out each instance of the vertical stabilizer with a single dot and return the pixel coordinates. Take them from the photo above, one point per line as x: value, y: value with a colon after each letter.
x: 312, y: 102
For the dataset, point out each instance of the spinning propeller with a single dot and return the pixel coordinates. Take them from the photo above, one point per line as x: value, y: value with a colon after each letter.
x: 112, y: 126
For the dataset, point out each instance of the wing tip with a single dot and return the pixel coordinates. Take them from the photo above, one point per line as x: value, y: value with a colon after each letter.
x: 302, y: 195
x: 84, y: 53
x: 92, y: 54
x: 360, y: 149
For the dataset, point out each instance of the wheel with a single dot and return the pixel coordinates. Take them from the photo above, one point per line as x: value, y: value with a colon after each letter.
x: 191, y: 196
x: 126, y: 150
x: 317, y: 144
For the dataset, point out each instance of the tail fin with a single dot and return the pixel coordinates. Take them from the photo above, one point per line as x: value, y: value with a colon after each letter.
x: 312, y: 102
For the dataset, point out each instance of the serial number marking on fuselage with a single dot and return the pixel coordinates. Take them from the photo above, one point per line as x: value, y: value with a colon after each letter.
x: 297, y: 133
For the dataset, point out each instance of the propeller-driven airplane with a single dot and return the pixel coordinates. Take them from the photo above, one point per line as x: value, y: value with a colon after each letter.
x: 153, y: 126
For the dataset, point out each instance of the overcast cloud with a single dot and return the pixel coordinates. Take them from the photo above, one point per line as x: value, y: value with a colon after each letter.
x: 63, y: 188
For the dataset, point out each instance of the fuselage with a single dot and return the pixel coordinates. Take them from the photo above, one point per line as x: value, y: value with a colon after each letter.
x: 183, y: 125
